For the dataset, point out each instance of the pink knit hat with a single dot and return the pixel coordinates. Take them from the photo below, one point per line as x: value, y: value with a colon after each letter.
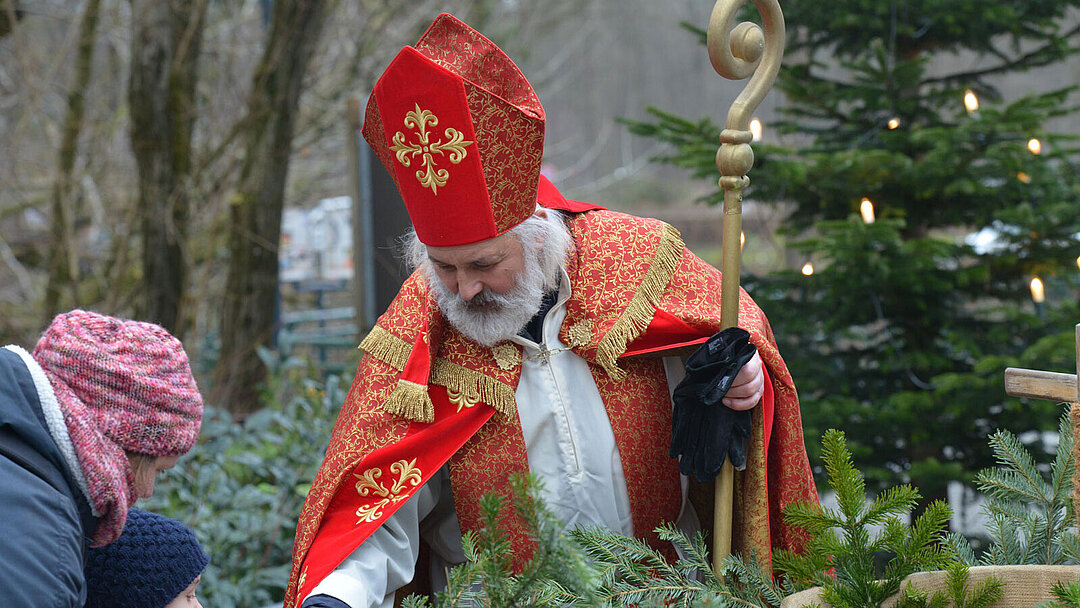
x: 123, y: 386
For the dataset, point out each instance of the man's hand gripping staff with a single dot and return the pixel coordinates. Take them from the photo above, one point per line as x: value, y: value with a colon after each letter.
x: 704, y: 430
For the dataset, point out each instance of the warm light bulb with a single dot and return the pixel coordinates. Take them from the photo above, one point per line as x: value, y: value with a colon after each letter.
x: 1024, y: 177
x: 742, y: 240
x: 1078, y: 262
x: 971, y: 102
x: 808, y: 269
x: 1038, y: 295
x: 894, y: 123
x: 755, y: 129
x: 867, y: 210
x: 1035, y: 146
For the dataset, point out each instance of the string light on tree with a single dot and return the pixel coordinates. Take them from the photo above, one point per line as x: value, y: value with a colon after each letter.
x: 1035, y: 146
x: 1038, y: 293
x: 808, y: 269
x: 1024, y: 177
x: 894, y: 123
x: 1038, y: 296
x: 742, y: 240
x: 755, y: 129
x: 867, y: 211
x: 971, y: 102
x: 1078, y: 262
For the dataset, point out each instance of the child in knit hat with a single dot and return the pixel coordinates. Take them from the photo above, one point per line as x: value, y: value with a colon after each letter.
x: 156, y: 563
x: 87, y: 420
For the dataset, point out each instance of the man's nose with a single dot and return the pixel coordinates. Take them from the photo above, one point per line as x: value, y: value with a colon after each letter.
x: 468, y: 287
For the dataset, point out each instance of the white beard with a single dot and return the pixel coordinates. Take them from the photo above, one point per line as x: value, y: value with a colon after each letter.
x: 490, y: 318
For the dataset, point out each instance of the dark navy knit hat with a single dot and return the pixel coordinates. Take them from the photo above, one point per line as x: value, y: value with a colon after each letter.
x: 148, y: 566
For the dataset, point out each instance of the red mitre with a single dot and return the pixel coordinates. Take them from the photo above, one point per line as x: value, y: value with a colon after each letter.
x: 461, y: 131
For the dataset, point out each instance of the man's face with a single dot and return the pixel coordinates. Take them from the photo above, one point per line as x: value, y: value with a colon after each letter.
x: 493, y: 265
x: 488, y: 290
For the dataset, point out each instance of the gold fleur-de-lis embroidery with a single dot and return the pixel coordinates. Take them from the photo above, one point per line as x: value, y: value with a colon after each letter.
x: 507, y: 356
x: 429, y: 176
x: 463, y: 398
x: 409, y: 476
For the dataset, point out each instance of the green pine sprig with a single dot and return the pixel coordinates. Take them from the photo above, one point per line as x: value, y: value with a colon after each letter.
x: 840, y: 556
x: 1031, y: 518
x: 956, y: 593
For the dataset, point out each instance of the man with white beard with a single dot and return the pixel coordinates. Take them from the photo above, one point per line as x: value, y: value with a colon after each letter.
x: 530, y: 338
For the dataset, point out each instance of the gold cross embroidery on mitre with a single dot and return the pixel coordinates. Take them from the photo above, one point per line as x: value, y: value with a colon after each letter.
x: 429, y: 176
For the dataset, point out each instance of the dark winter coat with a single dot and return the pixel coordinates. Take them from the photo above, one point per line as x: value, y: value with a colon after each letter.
x: 45, y: 519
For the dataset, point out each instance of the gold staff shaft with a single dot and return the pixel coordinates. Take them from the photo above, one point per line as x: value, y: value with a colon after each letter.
x: 745, y: 51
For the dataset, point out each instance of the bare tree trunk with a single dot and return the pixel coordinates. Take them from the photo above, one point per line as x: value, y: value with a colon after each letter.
x: 255, y: 223
x: 62, y: 288
x: 9, y: 14
x: 165, y: 42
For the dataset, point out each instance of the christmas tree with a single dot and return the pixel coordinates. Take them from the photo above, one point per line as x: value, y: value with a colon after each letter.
x: 927, y: 205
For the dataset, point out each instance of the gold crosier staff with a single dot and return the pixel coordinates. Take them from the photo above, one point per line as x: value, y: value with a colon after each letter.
x: 736, y: 54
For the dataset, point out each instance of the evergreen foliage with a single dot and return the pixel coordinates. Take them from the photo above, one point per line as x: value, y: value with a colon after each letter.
x: 595, y: 567
x: 840, y: 556
x: 1067, y: 594
x: 956, y: 592
x: 588, y: 566
x: 556, y: 575
x: 1030, y: 511
x: 858, y: 553
x: 901, y: 334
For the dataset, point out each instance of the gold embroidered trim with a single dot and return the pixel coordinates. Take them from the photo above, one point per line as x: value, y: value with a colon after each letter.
x: 407, y: 472
x: 580, y: 333
x: 411, y: 401
x: 457, y: 145
x: 507, y: 356
x: 386, y: 347
x: 303, y: 577
x: 639, y: 313
x: 498, y: 395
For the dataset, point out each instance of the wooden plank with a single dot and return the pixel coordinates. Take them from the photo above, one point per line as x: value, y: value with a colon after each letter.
x: 1041, y: 385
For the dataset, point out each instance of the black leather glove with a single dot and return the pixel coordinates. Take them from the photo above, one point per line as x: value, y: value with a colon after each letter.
x: 705, y: 431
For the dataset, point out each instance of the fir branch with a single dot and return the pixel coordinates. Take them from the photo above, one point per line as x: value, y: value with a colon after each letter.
x: 1030, y: 517
x: 845, y: 480
x: 1037, y: 57
x: 1020, y: 475
x: 1067, y: 594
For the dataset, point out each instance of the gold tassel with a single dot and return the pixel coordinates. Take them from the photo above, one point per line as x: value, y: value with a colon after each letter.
x: 410, y: 400
x: 498, y: 395
x: 386, y: 347
x: 639, y: 313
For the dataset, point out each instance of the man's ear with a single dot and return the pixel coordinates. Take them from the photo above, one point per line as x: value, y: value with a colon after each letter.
x: 540, y: 212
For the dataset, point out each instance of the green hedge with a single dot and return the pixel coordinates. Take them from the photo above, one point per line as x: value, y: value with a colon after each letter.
x: 242, y: 486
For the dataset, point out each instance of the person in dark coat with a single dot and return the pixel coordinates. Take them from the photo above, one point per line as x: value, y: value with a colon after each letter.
x: 86, y: 422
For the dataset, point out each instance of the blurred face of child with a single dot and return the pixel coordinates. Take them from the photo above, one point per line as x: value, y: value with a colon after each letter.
x: 187, y: 598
